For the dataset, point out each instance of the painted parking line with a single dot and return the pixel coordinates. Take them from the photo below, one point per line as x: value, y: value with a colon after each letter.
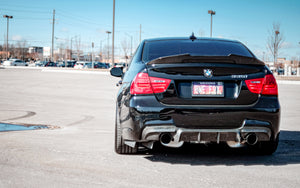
x: 44, y: 69
x: 4, y: 127
x: 20, y: 67
x: 75, y: 71
x: 290, y: 82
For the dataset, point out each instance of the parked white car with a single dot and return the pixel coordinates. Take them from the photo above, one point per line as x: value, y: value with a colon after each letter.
x: 14, y: 62
x: 80, y: 64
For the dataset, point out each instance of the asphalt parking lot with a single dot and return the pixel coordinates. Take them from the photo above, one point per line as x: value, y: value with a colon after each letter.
x: 77, y: 149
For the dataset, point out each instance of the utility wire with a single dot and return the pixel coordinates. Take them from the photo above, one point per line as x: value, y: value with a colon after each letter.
x: 22, y: 6
x: 80, y: 20
x: 31, y: 18
x: 74, y: 16
x: 30, y: 11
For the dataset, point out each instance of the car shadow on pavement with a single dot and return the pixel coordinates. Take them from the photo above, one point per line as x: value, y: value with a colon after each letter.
x: 288, y: 152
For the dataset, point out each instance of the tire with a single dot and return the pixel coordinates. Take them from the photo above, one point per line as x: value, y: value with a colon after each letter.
x: 267, y: 147
x: 120, y: 146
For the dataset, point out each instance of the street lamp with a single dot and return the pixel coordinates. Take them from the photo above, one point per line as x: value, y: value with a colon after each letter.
x: 108, y: 32
x: 101, y: 49
x: 130, y: 43
x: 211, y: 12
x: 276, y: 48
x: 71, y: 50
x: 113, y: 36
x: 7, y: 17
x: 298, y: 69
x: 92, y: 55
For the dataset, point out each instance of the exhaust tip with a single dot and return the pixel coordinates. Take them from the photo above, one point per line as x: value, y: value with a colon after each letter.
x: 165, y: 139
x: 251, y: 139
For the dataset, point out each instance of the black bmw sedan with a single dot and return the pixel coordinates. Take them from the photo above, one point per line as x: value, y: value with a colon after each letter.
x: 196, y: 90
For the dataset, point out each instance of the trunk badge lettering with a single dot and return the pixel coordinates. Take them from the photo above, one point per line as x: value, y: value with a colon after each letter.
x: 239, y: 76
x: 208, y: 73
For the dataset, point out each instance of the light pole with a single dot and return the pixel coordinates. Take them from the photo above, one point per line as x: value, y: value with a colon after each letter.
x: 7, y: 17
x: 211, y: 12
x: 113, y: 36
x: 92, y: 55
x: 101, y: 49
x: 298, y: 67
x: 130, y: 43
x: 276, y: 48
x: 53, y: 23
x: 108, y: 32
x: 298, y: 57
x: 71, y: 48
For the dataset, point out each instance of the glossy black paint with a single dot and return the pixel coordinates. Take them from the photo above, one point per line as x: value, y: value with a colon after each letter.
x: 177, y: 107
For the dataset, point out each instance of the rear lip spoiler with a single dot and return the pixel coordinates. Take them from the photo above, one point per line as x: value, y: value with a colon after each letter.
x: 186, y: 58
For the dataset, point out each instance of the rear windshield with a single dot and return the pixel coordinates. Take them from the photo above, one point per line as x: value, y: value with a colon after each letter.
x: 156, y: 49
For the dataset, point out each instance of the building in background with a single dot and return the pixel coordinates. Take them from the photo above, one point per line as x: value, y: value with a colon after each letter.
x: 35, y: 49
x: 46, y: 53
x: 35, y: 52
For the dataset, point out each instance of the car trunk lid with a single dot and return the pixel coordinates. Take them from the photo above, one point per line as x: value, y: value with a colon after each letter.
x: 203, y: 80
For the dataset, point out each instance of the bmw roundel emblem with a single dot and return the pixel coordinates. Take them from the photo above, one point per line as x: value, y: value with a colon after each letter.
x: 208, y: 73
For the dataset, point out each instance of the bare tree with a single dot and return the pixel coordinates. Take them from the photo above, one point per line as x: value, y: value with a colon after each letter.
x: 275, y: 40
x: 35, y: 56
x: 295, y: 62
x: 61, y: 51
x: 106, y: 53
x: 125, y: 47
x: 78, y: 47
x: 2, y: 53
x: 20, y: 50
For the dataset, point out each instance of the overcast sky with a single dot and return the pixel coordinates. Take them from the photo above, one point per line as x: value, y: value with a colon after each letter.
x: 248, y: 21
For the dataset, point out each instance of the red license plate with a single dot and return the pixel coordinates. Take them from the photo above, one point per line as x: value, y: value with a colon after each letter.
x: 207, y: 89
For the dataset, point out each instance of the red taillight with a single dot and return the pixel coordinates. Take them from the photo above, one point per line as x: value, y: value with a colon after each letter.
x: 144, y: 84
x: 159, y: 85
x: 141, y: 84
x: 264, y: 86
x: 270, y: 86
x: 255, y: 85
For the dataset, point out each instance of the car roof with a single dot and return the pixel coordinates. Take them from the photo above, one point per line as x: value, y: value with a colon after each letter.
x: 188, y: 38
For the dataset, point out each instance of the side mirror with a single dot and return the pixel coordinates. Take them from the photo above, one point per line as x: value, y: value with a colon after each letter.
x: 116, y: 71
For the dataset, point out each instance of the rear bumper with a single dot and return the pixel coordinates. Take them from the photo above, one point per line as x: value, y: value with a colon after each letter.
x: 144, y: 119
x: 206, y: 135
